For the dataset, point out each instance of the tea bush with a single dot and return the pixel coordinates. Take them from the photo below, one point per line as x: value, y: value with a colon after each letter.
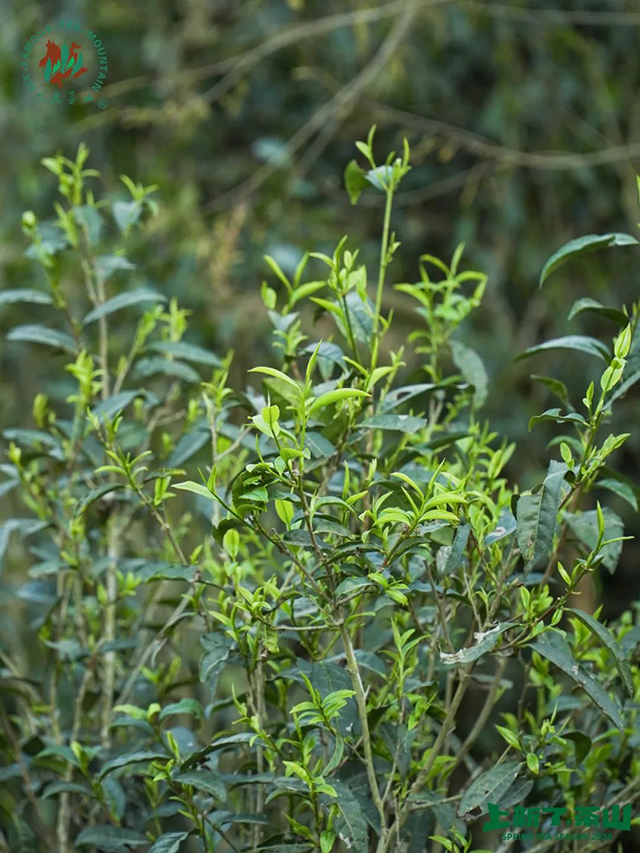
x: 280, y: 617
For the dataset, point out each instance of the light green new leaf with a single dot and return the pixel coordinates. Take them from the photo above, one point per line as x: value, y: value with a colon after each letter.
x: 355, y: 181
x: 196, y: 488
x: 277, y: 374
x: 334, y: 396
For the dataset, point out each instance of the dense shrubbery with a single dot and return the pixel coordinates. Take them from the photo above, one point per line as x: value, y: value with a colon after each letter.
x: 259, y: 614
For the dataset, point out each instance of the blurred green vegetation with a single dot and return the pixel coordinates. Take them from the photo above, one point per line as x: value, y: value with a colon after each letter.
x: 524, y: 122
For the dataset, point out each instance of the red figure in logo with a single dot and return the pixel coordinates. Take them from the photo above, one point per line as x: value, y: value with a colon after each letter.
x: 54, y: 54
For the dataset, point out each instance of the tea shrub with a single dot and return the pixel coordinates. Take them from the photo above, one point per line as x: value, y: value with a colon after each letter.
x: 279, y: 616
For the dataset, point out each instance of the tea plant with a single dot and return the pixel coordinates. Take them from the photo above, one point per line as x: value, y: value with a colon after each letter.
x: 261, y: 617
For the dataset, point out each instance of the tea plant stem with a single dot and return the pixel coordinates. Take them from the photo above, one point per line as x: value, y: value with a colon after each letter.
x: 41, y: 827
x: 441, y: 613
x: 361, y: 702
x: 108, y: 684
x: 97, y: 295
x: 480, y: 723
x: 447, y: 724
x: 64, y: 810
x: 384, y: 261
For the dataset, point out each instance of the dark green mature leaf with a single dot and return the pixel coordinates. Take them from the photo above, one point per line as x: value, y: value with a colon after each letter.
x: 126, y: 213
x: 473, y: 371
x: 88, y: 217
x: 353, y: 816
x: 394, y: 423
x: 123, y: 300
x: 319, y: 445
x: 25, y: 526
x: 505, y: 527
x: 223, y: 743
x: 110, y: 407
x: 130, y: 758
x: 581, y: 343
x: 189, y: 352
x: 555, y: 648
x: 585, y: 526
x: 610, y: 643
x: 582, y: 744
x: 106, y: 265
x: 620, y: 488
x: 170, y: 842
x: 361, y: 317
x: 184, y: 706
x: 592, y: 306
x: 581, y: 246
x: 555, y: 386
x: 21, y: 836
x: 217, y: 647
x: 485, y: 642
x: 67, y: 788
x: 112, y: 839
x: 380, y: 177
x: 204, y: 780
x: 156, y: 365
x: 226, y: 818
x: 35, y: 334
x: 452, y: 554
x: 51, y: 240
x: 371, y: 661
x: 167, y: 571
x: 491, y: 786
x: 31, y: 437
x: 95, y: 494
x: 407, y: 392
x: 558, y: 418
x: 188, y: 446
x: 537, y: 517
x: 520, y: 789
x: 9, y: 297
x: 351, y: 584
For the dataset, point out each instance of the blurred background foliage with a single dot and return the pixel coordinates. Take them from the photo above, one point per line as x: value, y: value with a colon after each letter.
x: 524, y: 123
